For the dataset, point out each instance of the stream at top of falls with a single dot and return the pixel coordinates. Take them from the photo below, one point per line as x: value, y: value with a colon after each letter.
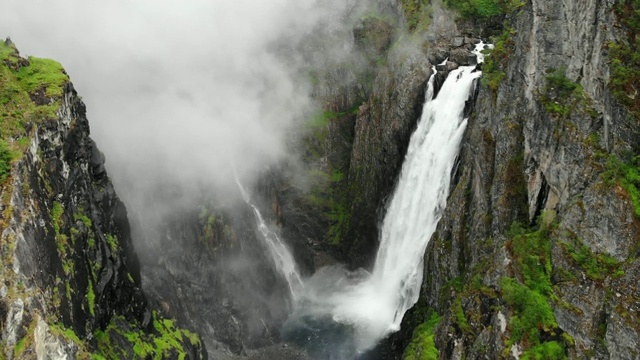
x: 339, y: 314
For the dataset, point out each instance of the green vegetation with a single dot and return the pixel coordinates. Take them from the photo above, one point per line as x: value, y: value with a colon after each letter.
x: 20, y: 80
x: 422, y: 346
x: 625, y: 57
x: 596, y: 266
x: 26, y: 90
x: 459, y: 315
x: 6, y: 156
x: 626, y: 174
x: 216, y: 231
x: 56, y: 215
x: 531, y: 251
x: 470, y: 9
x: 532, y: 312
x: 91, y: 298
x: 495, y: 63
x: 328, y: 194
x: 546, y: 350
x: 417, y: 13
x: 112, y: 240
x: 82, y: 217
x: 43, y: 74
x: 26, y: 341
x: 165, y: 341
x: 561, y: 96
x: 323, y: 118
x: 529, y: 291
x: 328, y: 191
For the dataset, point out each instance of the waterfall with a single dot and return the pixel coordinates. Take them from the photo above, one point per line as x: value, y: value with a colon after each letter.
x: 372, y: 305
x: 282, y: 257
x: 421, y: 194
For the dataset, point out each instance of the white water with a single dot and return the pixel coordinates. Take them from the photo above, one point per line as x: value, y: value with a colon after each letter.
x: 420, y: 196
x: 374, y: 304
x: 283, y: 259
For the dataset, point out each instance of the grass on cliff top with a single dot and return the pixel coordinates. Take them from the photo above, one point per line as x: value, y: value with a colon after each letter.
x: 22, y: 81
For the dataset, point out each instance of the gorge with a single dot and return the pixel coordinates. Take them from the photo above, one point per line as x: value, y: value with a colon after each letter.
x: 322, y: 180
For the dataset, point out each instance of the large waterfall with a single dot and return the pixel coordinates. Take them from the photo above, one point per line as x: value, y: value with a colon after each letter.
x: 372, y: 305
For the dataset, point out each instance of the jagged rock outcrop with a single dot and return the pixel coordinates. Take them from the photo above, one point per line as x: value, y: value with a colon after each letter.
x: 69, y: 269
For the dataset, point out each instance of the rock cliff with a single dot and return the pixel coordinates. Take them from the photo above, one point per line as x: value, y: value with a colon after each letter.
x: 536, y: 252
x: 71, y: 279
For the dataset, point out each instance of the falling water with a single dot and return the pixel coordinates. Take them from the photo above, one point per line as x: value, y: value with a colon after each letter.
x: 421, y: 194
x: 372, y: 305
x: 282, y: 257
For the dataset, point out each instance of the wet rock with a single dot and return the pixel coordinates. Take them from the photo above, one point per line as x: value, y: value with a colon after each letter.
x: 457, y: 41
x: 463, y: 57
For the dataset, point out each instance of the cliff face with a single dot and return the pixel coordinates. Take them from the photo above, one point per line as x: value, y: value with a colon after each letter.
x: 205, y: 266
x: 536, y: 254
x: 71, y: 278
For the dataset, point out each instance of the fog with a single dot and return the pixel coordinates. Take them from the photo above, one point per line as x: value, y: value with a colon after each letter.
x: 177, y: 91
x: 188, y: 95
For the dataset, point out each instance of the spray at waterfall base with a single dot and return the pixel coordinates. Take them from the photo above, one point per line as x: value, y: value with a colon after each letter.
x: 338, y: 313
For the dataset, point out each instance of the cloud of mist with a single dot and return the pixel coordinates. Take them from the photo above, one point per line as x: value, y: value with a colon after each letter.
x: 176, y: 91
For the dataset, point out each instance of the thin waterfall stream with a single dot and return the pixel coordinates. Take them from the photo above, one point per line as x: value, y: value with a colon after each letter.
x: 360, y: 308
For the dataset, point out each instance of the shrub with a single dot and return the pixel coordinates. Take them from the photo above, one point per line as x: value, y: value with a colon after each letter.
x: 495, y: 64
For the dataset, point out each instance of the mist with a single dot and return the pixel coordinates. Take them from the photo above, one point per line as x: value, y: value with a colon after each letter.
x: 178, y: 92
x: 185, y: 97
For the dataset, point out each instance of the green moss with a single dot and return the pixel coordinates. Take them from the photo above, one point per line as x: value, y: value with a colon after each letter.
x: 112, y: 240
x: 531, y: 251
x: 56, y: 215
x: 43, y: 74
x: 69, y: 291
x: 547, y: 350
x: 529, y: 292
x: 6, y: 157
x: 459, y: 315
x: 26, y: 341
x: 7, y: 51
x: 19, y: 80
x: 422, y: 346
x: 69, y: 334
x: 165, y: 341
x: 626, y: 174
x: 82, y: 217
x: 532, y: 312
x: 91, y: 298
x: 19, y: 349
x: 595, y: 266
